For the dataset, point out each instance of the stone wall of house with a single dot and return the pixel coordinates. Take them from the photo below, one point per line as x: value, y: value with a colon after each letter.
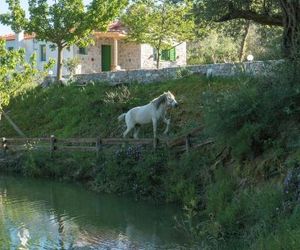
x: 129, y: 55
x: 145, y: 76
x: 91, y: 63
x: 148, y: 57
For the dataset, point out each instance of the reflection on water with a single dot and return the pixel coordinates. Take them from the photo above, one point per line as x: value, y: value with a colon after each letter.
x: 40, y: 214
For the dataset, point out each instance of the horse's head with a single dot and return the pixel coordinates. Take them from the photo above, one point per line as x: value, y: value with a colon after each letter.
x: 171, y: 101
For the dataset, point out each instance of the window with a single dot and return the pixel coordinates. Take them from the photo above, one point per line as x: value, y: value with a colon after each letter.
x: 43, y: 53
x: 83, y: 51
x: 10, y: 48
x: 166, y: 54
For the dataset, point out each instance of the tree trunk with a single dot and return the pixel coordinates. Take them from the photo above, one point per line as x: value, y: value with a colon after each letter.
x: 157, y: 58
x: 291, y: 28
x: 291, y: 36
x: 244, y: 39
x: 59, y: 63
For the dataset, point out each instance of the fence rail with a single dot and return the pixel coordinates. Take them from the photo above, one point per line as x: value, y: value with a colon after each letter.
x: 51, y: 144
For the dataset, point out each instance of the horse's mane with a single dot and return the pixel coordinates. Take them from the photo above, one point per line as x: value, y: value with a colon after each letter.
x: 159, y: 100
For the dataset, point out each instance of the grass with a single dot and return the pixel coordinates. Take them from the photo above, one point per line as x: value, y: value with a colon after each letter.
x: 90, y: 111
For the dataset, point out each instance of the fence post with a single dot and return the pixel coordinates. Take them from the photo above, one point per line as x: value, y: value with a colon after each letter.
x: 155, y: 142
x: 188, y: 143
x: 52, y: 145
x: 98, y: 145
x: 4, y: 144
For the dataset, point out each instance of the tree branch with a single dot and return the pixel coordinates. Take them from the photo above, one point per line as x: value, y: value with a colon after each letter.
x: 275, y: 20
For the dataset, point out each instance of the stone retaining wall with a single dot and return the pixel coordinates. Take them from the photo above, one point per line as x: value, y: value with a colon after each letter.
x: 145, y: 76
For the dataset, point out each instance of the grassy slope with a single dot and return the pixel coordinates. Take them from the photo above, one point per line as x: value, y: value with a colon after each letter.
x: 92, y: 110
x: 237, y: 209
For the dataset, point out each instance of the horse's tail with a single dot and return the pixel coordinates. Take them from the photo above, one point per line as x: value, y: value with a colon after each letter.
x: 121, y: 117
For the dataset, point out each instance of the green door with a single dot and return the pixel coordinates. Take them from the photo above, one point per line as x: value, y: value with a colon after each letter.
x: 106, y: 57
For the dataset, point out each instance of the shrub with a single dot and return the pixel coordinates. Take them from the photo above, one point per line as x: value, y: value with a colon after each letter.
x: 251, y: 118
x: 183, y: 72
x: 132, y: 170
x: 186, y: 177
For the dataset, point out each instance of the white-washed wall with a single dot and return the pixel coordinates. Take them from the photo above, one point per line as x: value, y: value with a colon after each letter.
x: 33, y: 46
x: 51, y: 54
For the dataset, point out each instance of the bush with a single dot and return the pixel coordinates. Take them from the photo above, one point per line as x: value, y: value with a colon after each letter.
x: 132, y: 170
x: 254, y: 116
x: 183, y: 72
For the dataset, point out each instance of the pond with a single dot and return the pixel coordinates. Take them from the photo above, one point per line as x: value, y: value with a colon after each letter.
x: 43, y: 214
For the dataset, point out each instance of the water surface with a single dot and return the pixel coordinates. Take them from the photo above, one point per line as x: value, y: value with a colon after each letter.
x: 42, y: 214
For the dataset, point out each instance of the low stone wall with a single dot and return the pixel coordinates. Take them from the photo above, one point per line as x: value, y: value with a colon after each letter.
x: 153, y: 75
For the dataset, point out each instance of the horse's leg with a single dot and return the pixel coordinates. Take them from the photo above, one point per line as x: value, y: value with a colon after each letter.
x: 126, y: 131
x: 136, y: 131
x: 154, y: 122
x: 130, y: 126
x: 167, y: 121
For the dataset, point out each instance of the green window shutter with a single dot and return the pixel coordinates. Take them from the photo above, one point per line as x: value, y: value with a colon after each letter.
x: 172, y: 53
x: 43, y: 53
x: 168, y: 54
x: 165, y: 55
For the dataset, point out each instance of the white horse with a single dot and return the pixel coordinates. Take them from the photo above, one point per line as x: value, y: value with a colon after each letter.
x: 152, y: 111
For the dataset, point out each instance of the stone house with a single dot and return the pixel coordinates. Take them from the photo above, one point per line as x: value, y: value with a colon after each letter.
x: 110, y: 52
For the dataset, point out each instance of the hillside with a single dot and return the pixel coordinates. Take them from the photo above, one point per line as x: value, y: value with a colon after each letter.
x: 93, y: 110
x: 73, y: 111
x: 242, y: 192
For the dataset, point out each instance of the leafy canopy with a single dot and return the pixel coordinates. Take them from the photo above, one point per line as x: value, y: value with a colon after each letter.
x: 68, y: 22
x: 261, y: 11
x: 159, y: 23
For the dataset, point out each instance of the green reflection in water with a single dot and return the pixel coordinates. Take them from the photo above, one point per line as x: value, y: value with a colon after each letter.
x: 42, y: 214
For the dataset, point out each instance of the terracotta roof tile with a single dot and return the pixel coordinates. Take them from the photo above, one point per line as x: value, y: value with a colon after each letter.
x: 113, y: 27
x: 12, y: 37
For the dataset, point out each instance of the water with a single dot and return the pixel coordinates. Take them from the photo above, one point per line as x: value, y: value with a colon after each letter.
x: 42, y: 214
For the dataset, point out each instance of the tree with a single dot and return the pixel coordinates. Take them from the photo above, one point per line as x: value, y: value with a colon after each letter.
x: 214, y: 47
x: 283, y: 13
x: 160, y: 23
x: 17, y: 76
x: 63, y: 23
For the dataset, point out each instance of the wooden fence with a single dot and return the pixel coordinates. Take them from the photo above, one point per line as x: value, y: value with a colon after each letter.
x: 51, y: 144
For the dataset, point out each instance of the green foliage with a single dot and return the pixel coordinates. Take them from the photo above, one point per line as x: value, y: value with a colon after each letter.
x: 183, y: 72
x: 251, y: 118
x: 216, y: 47
x: 241, y: 214
x: 219, y: 43
x: 215, y: 10
x: 16, y: 18
x: 64, y: 22
x: 188, y: 176
x: 144, y: 177
x: 266, y: 12
x: 264, y: 42
x: 159, y: 23
x: 16, y: 75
